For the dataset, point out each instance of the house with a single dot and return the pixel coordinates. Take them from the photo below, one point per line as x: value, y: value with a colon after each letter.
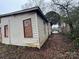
x: 28, y: 27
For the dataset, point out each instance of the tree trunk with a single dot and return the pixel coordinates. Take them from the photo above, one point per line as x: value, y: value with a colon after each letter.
x: 70, y: 23
x: 71, y: 28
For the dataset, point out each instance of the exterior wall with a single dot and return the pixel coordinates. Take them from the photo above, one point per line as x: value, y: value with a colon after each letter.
x: 43, y: 33
x: 49, y: 28
x: 16, y: 31
x: 40, y: 29
x: 5, y: 21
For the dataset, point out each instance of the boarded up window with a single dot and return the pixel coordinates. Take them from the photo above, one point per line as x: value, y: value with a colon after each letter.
x: 0, y: 34
x: 0, y: 20
x: 27, y: 28
x: 6, y: 31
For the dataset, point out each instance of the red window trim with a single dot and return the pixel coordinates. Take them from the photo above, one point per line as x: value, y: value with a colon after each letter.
x: 24, y: 29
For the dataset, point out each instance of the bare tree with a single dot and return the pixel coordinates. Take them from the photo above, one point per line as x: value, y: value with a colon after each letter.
x: 28, y: 4
x: 65, y: 7
x: 44, y: 6
x: 32, y: 3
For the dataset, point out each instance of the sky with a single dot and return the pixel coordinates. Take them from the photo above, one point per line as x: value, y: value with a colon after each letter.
x: 7, y: 6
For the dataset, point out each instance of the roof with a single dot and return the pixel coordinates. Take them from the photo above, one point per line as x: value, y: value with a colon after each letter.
x: 33, y: 9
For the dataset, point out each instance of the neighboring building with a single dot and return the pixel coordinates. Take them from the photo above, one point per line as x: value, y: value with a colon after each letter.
x: 27, y: 27
x: 64, y: 27
x: 55, y: 28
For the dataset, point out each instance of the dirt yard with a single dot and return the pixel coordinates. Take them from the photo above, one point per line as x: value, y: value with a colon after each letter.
x: 56, y: 47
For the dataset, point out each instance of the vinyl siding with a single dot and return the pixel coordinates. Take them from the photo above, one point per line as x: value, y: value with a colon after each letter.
x: 16, y: 31
x: 5, y: 21
x: 43, y: 34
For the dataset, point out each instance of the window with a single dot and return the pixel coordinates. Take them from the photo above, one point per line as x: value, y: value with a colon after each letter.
x: 0, y: 34
x: 27, y: 28
x: 0, y: 20
x: 6, y: 31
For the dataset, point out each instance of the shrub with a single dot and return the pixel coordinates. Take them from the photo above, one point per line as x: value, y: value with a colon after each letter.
x: 76, y: 43
x: 74, y: 36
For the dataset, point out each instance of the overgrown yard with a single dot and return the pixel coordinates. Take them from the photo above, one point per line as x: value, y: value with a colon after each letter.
x: 56, y: 47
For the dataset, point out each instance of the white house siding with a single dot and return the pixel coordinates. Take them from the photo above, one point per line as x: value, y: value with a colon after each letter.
x: 1, y: 31
x: 50, y: 28
x: 5, y: 21
x: 16, y: 32
x: 42, y: 34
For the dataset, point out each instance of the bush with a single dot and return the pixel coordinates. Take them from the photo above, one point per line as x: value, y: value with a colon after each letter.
x: 70, y: 35
x: 74, y: 36
x: 76, y: 43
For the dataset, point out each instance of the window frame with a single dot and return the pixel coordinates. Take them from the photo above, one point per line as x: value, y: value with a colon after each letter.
x: 5, y: 30
x: 24, y: 29
x: 0, y: 20
x: 0, y: 33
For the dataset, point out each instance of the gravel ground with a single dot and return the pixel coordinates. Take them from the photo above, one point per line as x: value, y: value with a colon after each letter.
x: 56, y: 47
